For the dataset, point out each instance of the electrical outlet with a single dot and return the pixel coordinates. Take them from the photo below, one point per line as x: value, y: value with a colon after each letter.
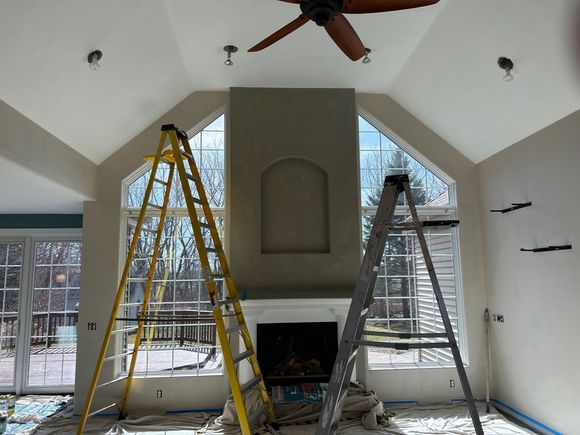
x: 451, y: 383
x: 92, y: 326
x: 159, y: 394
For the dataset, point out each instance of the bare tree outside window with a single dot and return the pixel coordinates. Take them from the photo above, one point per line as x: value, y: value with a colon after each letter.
x: 179, y: 289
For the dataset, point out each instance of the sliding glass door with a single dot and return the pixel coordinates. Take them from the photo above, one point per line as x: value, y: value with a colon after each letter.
x: 39, y: 308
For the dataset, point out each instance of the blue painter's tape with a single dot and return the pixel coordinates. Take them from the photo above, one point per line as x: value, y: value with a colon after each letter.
x: 526, y: 418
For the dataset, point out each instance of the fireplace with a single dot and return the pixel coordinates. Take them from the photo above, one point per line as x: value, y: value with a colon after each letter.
x: 294, y: 353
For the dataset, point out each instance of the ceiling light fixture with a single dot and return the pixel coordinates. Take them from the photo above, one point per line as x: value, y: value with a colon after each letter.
x: 93, y: 59
x: 367, y: 59
x: 507, y: 65
x: 229, y: 49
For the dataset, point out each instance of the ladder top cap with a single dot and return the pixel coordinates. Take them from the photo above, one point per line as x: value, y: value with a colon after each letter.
x: 396, y: 179
x: 170, y: 127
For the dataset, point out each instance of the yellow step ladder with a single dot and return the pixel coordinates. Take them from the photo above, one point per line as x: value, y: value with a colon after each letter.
x: 179, y: 156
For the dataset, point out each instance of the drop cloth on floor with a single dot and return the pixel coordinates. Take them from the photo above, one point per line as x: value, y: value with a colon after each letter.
x: 438, y: 420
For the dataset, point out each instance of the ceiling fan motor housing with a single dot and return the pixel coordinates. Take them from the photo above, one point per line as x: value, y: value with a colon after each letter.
x: 321, y: 11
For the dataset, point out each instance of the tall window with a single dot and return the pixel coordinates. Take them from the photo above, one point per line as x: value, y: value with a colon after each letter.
x: 55, y: 313
x: 403, y: 295
x: 189, y: 346
x: 10, y: 286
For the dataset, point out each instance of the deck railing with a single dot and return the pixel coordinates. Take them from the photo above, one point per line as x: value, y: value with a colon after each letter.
x: 198, y: 327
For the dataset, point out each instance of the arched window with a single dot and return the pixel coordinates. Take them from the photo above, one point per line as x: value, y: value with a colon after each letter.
x: 187, y: 347
x: 403, y: 295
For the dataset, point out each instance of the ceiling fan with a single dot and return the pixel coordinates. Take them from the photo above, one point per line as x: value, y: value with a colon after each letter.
x: 330, y: 15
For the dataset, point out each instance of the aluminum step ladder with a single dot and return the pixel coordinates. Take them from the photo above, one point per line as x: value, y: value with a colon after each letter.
x: 178, y: 155
x: 354, y: 330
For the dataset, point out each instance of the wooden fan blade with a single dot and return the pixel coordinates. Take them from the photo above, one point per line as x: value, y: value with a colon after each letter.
x: 370, y: 6
x: 284, y: 31
x: 345, y: 37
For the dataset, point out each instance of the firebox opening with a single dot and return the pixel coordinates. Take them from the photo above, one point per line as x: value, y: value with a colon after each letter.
x: 294, y: 353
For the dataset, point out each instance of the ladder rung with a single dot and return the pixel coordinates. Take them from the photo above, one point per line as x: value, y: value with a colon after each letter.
x: 121, y: 355
x: 235, y: 328
x: 209, y: 249
x: 114, y: 381
x: 186, y: 154
x: 206, y: 225
x: 411, y: 226
x: 441, y: 223
x: 149, y: 230
x: 192, y: 177
x: 219, y: 276
x: 198, y: 201
x: 243, y: 356
x: 157, y: 206
x: 250, y: 384
x: 158, y: 180
x: 98, y: 411
x: 397, y: 346
x: 120, y: 331
x: 404, y: 335
x: 259, y: 412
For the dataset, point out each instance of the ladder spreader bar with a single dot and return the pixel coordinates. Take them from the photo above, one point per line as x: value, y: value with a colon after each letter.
x: 404, y: 335
x: 398, y: 346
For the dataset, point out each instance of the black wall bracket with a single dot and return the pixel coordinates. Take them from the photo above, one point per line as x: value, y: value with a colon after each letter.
x: 515, y: 206
x: 547, y: 248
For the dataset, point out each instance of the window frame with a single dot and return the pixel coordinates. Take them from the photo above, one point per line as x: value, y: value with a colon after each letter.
x: 179, y: 212
x: 450, y: 210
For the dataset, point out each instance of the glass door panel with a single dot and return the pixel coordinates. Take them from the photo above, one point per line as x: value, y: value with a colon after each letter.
x: 55, y: 304
x: 10, y: 284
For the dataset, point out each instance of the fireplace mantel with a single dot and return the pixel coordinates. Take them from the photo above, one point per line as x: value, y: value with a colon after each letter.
x: 258, y: 311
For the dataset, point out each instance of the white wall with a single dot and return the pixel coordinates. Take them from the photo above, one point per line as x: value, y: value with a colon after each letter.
x: 535, y: 353
x: 432, y: 385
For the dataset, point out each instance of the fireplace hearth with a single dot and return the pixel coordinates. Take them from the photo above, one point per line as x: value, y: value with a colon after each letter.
x: 294, y: 353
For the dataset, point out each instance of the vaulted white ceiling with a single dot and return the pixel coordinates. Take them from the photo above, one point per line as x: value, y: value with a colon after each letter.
x: 438, y: 62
